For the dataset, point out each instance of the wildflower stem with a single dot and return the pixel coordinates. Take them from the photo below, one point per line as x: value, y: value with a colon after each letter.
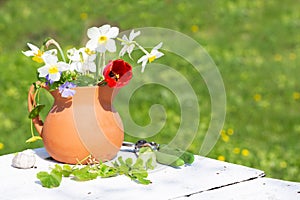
x: 140, y: 47
x: 103, y: 63
x: 52, y: 41
x: 98, y: 66
x: 31, y: 128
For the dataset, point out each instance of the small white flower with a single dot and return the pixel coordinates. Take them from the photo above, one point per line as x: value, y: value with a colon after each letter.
x: 154, y: 54
x: 36, y: 53
x: 101, y: 39
x: 128, y: 44
x: 82, y: 60
x: 52, y: 68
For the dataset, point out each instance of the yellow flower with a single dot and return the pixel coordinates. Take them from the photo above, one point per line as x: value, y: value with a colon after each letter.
x: 236, y: 150
x: 296, y: 95
x: 278, y: 57
x: 292, y: 56
x: 283, y: 164
x: 221, y: 158
x: 245, y: 152
x: 230, y: 131
x: 195, y: 28
x: 83, y: 16
x: 222, y: 132
x: 1, y: 145
x: 225, y: 138
x: 257, y: 97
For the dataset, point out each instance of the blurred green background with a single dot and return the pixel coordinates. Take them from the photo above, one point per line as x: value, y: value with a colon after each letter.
x: 255, y: 44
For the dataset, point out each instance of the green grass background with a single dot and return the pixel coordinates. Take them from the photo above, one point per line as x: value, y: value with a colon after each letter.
x: 255, y: 44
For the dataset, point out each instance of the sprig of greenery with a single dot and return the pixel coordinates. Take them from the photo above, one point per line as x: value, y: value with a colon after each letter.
x: 135, y: 171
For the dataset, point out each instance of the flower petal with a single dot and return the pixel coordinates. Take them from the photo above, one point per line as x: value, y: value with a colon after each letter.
x: 111, y: 45
x: 133, y: 35
x: 91, y: 66
x: 113, y: 32
x: 123, y: 50
x: 43, y: 71
x: 54, y: 77
x: 142, y: 59
x: 159, y: 54
x: 93, y: 32
x: 33, y: 47
x: 92, y: 44
x: 50, y: 59
x: 144, y: 65
x: 103, y: 30
x: 28, y: 53
x: 158, y: 46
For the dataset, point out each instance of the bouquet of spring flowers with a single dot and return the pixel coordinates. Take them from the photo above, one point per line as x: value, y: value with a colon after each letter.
x: 87, y: 66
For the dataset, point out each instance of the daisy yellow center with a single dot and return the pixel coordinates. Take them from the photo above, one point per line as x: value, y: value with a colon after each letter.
x: 38, y: 57
x: 88, y: 51
x: 53, y: 70
x: 102, y: 39
x: 151, y: 58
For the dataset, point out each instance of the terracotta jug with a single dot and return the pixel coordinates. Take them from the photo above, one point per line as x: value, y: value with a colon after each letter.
x: 82, y: 125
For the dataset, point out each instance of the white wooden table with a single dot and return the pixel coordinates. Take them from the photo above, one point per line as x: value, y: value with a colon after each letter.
x: 204, y: 179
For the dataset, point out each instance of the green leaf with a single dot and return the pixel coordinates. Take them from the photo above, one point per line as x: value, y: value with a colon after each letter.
x: 107, y: 171
x: 49, y: 180
x: 86, y: 80
x: 128, y: 161
x: 67, y: 170
x: 149, y: 163
x: 85, y: 174
x: 36, y: 111
x: 139, y: 163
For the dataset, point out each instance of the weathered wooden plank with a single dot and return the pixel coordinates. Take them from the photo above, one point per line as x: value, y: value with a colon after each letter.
x: 168, y: 183
x: 258, y: 189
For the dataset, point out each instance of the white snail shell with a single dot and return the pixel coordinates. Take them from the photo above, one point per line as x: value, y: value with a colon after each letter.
x: 24, y: 160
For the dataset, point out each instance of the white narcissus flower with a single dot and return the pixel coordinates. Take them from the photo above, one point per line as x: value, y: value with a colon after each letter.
x: 52, y: 68
x: 36, y: 53
x: 128, y: 44
x: 154, y: 54
x: 82, y: 60
x: 101, y: 39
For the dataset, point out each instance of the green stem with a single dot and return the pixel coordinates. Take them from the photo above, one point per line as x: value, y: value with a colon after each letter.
x: 103, y: 63
x: 52, y: 41
x: 98, y: 66
x: 140, y: 47
x: 31, y: 128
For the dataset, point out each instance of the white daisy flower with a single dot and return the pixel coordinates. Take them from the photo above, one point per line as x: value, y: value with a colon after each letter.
x: 36, y: 53
x: 52, y: 68
x: 154, y: 54
x: 82, y: 60
x: 101, y: 39
x: 128, y: 44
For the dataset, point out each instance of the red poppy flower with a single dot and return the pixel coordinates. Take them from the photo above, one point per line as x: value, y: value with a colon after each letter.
x: 117, y: 73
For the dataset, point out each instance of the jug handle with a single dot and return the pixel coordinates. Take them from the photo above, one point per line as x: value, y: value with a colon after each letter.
x: 37, y: 122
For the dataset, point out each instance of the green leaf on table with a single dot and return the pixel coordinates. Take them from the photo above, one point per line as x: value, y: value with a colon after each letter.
x: 149, y: 163
x: 36, y: 111
x: 139, y: 163
x: 106, y: 171
x: 85, y: 174
x: 67, y: 170
x: 50, y: 180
